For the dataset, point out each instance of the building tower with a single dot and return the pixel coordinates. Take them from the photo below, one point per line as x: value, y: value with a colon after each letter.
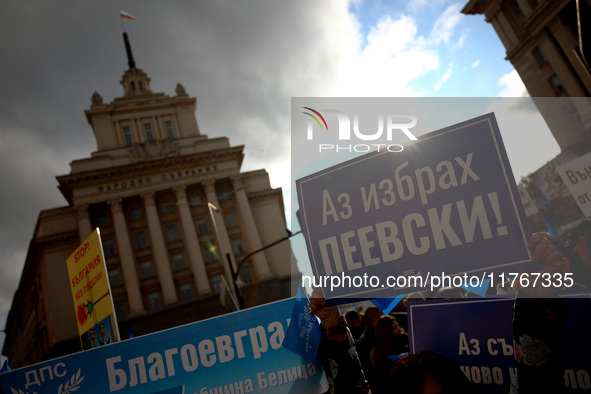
x: 172, y: 206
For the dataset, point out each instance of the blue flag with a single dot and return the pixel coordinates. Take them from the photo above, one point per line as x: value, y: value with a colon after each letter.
x: 397, y: 357
x: 387, y: 304
x: 5, y: 367
x: 304, y: 333
x: 479, y: 288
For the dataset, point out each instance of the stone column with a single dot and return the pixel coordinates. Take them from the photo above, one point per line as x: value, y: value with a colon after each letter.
x: 567, y: 40
x: 571, y: 72
x: 525, y: 7
x: 156, y: 130
x: 159, y: 251
x: 508, y: 29
x: 84, y: 226
x: 126, y: 258
x: 249, y: 230
x: 192, y: 242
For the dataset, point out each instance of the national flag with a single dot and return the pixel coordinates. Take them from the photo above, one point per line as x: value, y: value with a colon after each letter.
x: 126, y: 15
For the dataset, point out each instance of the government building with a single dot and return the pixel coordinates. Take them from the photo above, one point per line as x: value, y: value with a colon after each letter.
x: 176, y: 217
x: 548, y: 42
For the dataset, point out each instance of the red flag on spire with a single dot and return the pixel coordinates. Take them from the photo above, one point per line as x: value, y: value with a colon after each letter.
x: 126, y: 15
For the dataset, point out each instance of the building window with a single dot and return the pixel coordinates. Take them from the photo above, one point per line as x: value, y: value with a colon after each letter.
x: 178, y: 261
x: 246, y: 275
x: 140, y: 241
x: 216, y: 283
x: 153, y: 301
x: 132, y: 85
x: 230, y: 220
x: 172, y: 233
x: 223, y: 195
x: 558, y: 87
x: 148, y: 129
x: 186, y: 292
x: 195, y: 201
x: 115, y: 278
x: 108, y: 247
x: 120, y: 310
x: 140, y: 85
x: 135, y: 213
x: 237, y: 246
x: 202, y: 226
x: 210, y: 252
x: 104, y: 220
x: 168, y: 127
x: 127, y: 135
x: 166, y: 207
x: 146, y: 268
x: 540, y: 56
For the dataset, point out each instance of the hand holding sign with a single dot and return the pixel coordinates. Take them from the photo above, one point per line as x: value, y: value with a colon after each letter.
x: 552, y: 260
x: 329, y: 315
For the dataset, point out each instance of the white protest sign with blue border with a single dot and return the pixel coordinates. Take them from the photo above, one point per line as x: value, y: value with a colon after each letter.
x: 445, y: 204
x: 239, y: 352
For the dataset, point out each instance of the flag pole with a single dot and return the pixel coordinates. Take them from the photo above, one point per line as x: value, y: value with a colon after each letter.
x: 122, y: 24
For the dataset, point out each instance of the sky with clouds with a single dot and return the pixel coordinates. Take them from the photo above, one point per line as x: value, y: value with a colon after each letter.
x: 243, y: 60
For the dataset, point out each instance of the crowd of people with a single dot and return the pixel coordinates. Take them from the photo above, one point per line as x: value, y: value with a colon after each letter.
x: 368, y: 352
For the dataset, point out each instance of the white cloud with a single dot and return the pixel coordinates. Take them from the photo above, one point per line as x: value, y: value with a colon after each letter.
x: 393, y: 58
x: 461, y: 41
x: 512, y: 85
x: 442, y: 80
x: 415, y: 6
x: 475, y: 64
x: 443, y: 28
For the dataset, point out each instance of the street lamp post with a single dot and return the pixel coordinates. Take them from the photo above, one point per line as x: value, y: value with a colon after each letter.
x: 227, y: 269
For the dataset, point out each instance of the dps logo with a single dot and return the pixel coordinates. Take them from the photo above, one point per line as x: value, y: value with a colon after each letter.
x: 389, y: 126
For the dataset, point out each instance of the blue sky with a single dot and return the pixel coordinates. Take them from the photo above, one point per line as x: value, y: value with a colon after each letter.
x: 466, y: 56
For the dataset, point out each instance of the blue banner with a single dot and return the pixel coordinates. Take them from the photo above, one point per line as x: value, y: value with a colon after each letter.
x: 478, y: 336
x: 389, y: 223
x: 238, y: 352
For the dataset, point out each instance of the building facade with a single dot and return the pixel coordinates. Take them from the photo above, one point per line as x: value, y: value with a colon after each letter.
x: 549, y: 44
x: 172, y: 207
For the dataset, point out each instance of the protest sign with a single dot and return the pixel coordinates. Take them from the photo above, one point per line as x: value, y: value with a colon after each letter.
x: 93, y: 304
x: 528, y: 204
x: 239, y: 352
x: 392, y: 222
x: 477, y: 335
x: 547, y: 178
x: 576, y: 175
